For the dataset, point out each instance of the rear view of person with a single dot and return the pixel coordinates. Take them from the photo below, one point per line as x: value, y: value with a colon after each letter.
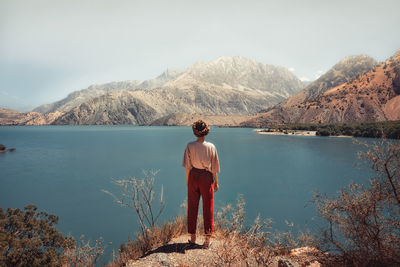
x: 202, y: 165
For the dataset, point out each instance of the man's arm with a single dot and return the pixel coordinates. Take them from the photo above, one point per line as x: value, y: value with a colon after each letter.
x: 215, y: 181
x: 187, y: 176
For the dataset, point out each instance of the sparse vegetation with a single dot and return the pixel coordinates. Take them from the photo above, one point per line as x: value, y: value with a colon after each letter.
x: 254, y: 245
x: 29, y: 238
x: 362, y: 225
x: 387, y: 129
x: 83, y: 254
x: 364, y: 220
x: 138, y: 194
x: 156, y: 237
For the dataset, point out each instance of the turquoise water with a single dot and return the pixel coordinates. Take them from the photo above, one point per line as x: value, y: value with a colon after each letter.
x: 62, y: 170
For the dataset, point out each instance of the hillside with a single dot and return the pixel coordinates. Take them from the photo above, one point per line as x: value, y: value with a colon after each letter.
x: 226, y: 86
x: 182, y: 119
x: 371, y: 96
x: 76, y: 98
x: 241, y: 74
x: 141, y: 107
x: 13, y: 117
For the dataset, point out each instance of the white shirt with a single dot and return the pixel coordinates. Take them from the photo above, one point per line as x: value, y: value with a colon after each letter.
x: 201, y: 155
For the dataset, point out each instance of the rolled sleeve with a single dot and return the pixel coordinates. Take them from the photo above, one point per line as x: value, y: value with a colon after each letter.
x: 215, y: 162
x: 186, y: 159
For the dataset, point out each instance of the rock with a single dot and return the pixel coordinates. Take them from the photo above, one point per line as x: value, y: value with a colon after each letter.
x: 285, y: 263
x: 314, y: 264
x: 3, y: 149
x: 304, y: 251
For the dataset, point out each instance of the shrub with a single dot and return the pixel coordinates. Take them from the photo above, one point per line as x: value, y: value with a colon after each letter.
x: 323, y: 132
x: 29, y: 238
x: 364, y: 220
x: 254, y: 245
x: 83, y: 254
x: 138, y: 194
x: 155, y: 237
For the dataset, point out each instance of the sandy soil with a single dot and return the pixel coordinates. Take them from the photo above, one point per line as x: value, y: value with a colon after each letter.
x: 289, y: 132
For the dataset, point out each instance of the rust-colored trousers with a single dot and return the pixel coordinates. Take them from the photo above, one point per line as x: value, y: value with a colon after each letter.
x: 201, y: 182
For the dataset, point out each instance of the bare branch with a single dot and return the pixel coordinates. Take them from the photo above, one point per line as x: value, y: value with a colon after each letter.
x: 139, y: 194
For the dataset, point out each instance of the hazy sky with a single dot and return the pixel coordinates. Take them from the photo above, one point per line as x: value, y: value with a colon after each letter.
x: 51, y: 48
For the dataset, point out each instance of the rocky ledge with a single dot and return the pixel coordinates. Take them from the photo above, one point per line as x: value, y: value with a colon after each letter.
x: 179, y: 253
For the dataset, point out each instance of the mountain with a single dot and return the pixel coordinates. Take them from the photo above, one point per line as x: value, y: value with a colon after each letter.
x: 370, y: 96
x: 140, y: 107
x: 183, y: 119
x: 78, y: 97
x: 13, y: 117
x: 225, y: 86
x: 344, y: 71
x: 241, y: 74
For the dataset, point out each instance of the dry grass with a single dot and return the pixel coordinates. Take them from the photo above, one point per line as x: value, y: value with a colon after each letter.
x: 83, y: 254
x: 255, y: 245
x: 155, y: 237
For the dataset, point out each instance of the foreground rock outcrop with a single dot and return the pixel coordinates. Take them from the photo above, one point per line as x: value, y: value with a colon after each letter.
x: 179, y: 253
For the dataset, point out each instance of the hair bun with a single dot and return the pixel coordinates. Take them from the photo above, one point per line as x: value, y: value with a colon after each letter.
x: 200, y: 128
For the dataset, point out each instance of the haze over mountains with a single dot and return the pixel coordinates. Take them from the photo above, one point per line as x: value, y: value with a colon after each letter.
x: 232, y: 91
x: 225, y: 86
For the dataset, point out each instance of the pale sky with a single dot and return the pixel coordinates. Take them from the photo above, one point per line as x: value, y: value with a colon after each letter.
x: 49, y: 48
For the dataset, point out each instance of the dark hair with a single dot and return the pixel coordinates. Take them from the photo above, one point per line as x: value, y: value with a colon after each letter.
x: 200, y: 128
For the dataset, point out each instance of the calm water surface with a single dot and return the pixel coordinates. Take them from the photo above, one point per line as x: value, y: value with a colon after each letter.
x: 62, y: 170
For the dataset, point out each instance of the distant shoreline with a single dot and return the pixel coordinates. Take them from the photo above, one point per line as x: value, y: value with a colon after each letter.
x: 286, y: 132
x: 294, y: 132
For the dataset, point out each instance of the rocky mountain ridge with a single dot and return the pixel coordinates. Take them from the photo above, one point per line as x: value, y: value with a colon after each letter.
x: 140, y: 107
x: 241, y: 74
x: 13, y: 117
x: 230, y: 91
x: 225, y: 86
x: 78, y: 97
x: 371, y: 96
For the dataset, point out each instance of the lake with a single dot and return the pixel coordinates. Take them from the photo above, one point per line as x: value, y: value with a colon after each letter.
x: 63, y: 169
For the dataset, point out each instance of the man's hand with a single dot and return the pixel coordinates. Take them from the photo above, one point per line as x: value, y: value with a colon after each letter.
x: 216, y: 187
x: 215, y: 176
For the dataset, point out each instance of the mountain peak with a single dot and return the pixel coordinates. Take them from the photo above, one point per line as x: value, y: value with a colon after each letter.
x: 233, y: 59
x: 170, y: 72
x: 355, y: 59
x: 244, y: 74
x: 344, y: 71
x: 397, y: 54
